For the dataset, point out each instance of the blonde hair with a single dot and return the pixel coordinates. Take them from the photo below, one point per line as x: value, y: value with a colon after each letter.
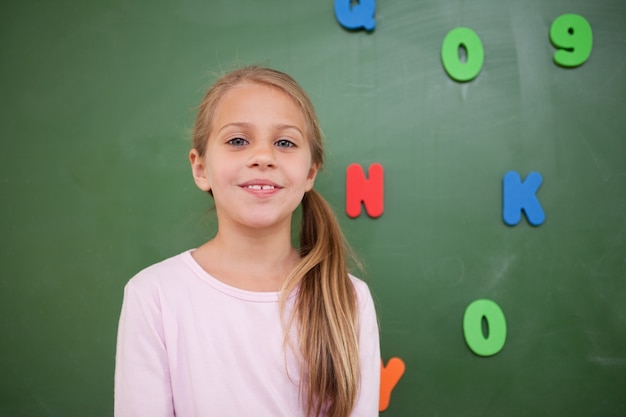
x: 325, y: 311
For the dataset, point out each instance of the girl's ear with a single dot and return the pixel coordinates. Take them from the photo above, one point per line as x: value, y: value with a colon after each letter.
x: 310, y: 179
x: 198, y: 170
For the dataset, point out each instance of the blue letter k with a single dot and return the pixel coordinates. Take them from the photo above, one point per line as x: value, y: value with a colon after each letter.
x: 518, y: 196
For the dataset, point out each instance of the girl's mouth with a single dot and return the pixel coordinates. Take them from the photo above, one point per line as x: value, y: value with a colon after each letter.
x: 260, y: 187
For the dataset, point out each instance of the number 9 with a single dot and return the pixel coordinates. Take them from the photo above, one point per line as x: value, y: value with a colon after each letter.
x: 571, y: 34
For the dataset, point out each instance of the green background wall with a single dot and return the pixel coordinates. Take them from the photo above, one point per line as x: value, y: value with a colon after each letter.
x: 97, y: 99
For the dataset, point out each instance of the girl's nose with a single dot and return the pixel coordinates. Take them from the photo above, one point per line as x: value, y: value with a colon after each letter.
x: 262, y: 156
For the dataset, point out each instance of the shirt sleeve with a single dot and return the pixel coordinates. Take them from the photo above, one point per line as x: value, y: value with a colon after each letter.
x: 369, y: 352
x: 142, y: 380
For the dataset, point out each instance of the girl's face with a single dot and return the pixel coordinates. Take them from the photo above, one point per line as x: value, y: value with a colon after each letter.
x: 257, y: 161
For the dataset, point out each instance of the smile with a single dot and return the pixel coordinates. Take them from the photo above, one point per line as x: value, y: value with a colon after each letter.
x: 260, y: 187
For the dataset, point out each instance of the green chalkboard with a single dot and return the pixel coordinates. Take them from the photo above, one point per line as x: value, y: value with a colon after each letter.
x: 97, y: 101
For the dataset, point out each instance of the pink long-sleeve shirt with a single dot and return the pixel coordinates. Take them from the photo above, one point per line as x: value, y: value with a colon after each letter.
x: 190, y: 345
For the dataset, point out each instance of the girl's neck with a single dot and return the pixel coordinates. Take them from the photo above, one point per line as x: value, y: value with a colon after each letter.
x: 250, y: 261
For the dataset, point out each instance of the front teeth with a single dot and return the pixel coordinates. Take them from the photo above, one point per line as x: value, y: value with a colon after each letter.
x: 261, y: 187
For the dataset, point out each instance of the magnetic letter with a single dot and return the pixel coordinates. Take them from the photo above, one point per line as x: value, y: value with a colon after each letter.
x: 518, y: 196
x: 389, y: 377
x: 360, y: 189
x: 356, y: 16
x: 468, y: 39
x: 572, y: 35
x: 473, y: 327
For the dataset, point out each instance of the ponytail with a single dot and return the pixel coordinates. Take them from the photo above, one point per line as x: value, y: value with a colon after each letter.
x: 325, y: 312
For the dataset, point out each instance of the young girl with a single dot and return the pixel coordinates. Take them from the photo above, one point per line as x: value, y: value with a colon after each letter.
x: 247, y: 325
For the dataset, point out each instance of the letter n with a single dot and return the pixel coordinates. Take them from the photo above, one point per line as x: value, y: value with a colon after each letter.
x: 360, y: 189
x: 521, y: 196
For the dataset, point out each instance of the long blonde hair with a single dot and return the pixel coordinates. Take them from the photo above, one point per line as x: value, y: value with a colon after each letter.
x: 325, y: 311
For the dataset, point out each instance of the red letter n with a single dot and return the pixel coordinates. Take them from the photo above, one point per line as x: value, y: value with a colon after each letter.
x: 360, y: 189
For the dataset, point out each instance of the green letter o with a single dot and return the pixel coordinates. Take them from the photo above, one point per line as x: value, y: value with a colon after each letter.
x: 472, y: 327
x: 457, y: 70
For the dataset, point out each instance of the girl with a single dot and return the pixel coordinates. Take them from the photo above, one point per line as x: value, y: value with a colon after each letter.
x: 246, y: 325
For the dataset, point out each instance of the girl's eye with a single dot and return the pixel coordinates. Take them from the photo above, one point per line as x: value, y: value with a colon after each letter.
x: 237, y: 142
x: 284, y: 143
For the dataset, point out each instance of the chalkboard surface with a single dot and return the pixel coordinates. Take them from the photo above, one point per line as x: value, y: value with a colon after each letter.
x: 97, y: 101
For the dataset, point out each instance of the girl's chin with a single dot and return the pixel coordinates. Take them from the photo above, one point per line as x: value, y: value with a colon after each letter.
x: 260, y: 222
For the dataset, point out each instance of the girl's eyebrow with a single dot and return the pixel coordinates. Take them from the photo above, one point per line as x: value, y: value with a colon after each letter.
x: 235, y: 124
x: 245, y: 125
x: 282, y: 126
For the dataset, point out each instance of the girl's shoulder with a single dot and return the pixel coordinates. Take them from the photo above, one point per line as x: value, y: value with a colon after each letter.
x: 162, y: 273
x: 363, y: 293
x: 358, y: 283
